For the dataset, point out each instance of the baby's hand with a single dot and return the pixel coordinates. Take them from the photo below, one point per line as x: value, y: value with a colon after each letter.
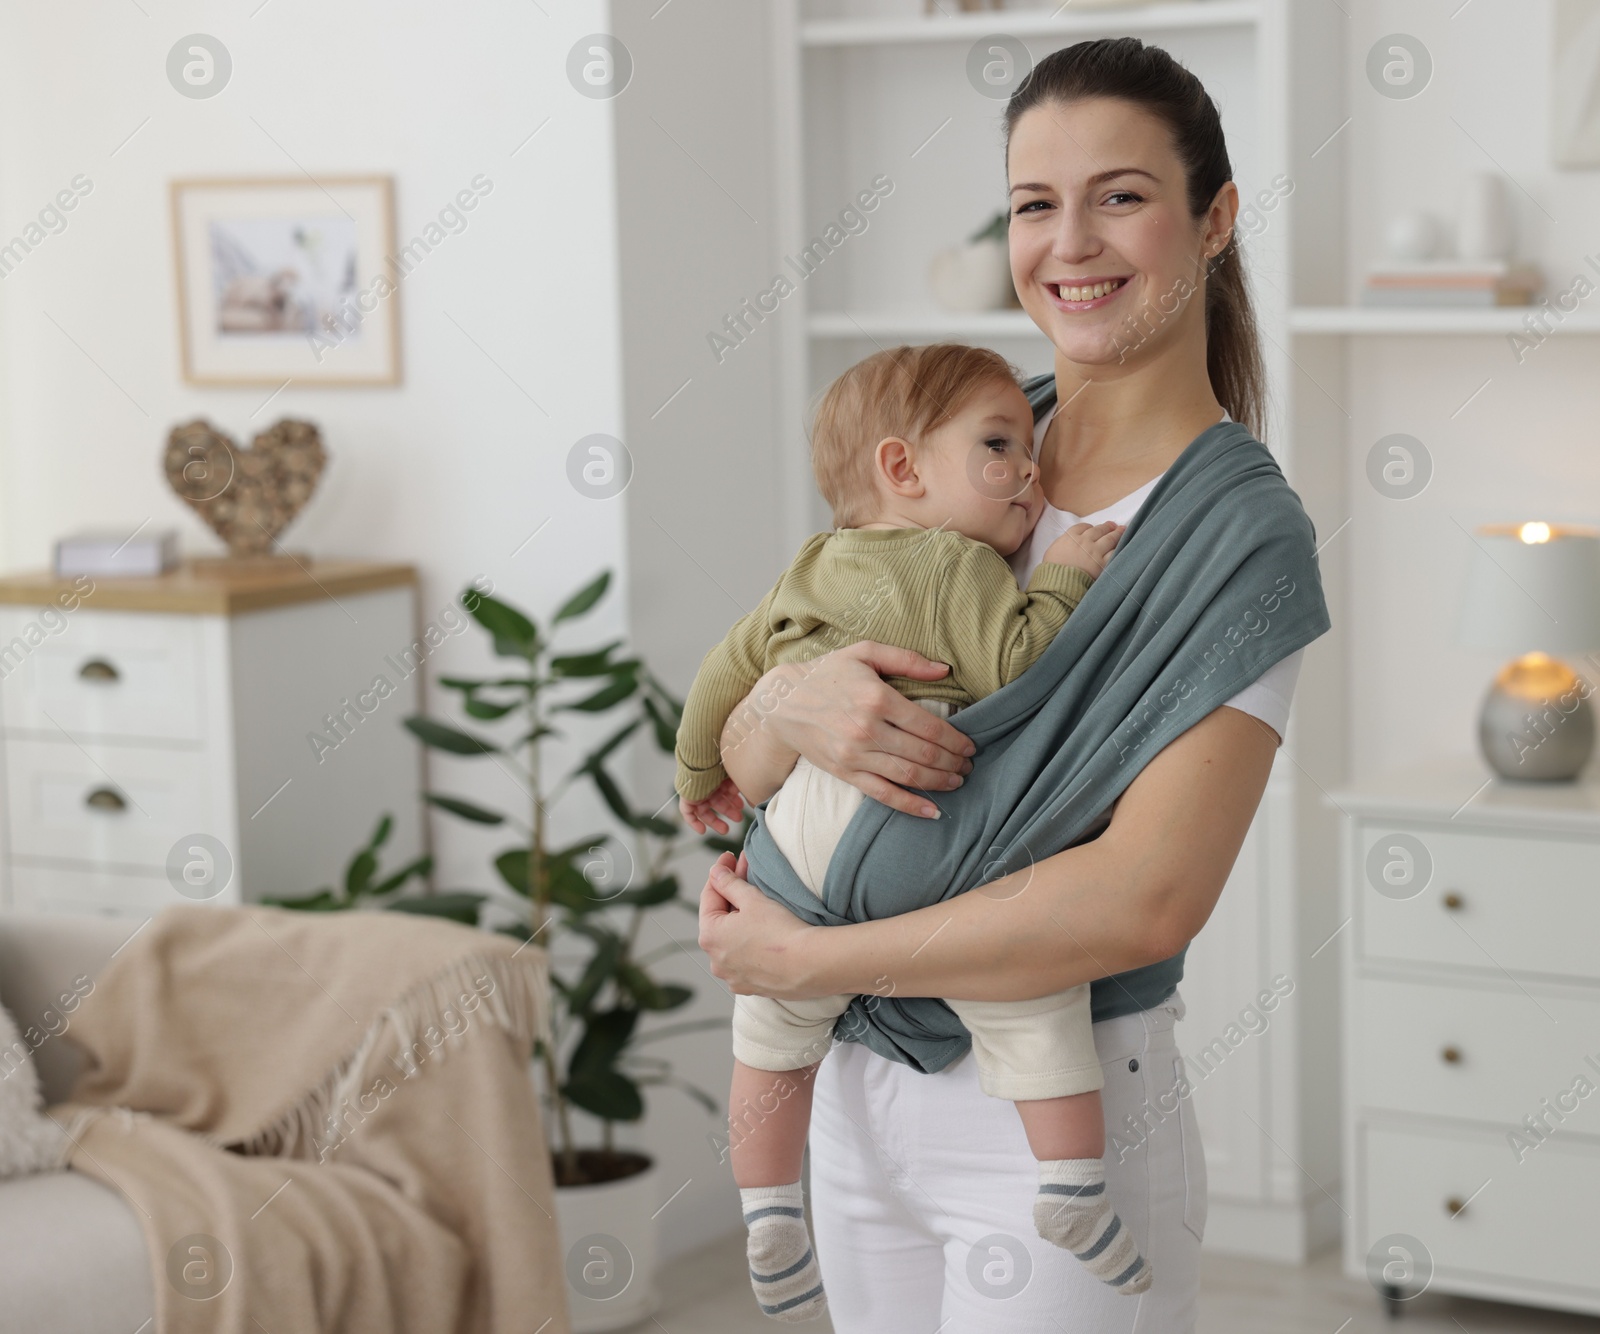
x: 727, y: 802
x: 1085, y: 545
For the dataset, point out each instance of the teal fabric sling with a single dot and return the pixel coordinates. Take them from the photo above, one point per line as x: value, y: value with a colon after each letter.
x: 1214, y: 580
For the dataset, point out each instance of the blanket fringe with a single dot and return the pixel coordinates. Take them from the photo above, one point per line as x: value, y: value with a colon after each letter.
x: 505, y: 992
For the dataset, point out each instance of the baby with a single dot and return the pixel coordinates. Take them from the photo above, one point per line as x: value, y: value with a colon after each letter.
x: 926, y: 456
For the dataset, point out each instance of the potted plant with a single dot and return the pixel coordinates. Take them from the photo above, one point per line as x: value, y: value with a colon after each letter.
x: 976, y: 275
x: 592, y: 892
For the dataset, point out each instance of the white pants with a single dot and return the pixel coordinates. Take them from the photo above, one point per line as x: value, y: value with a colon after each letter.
x: 922, y: 1193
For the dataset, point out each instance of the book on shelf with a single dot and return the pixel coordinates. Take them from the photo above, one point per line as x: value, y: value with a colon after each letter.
x: 1454, y: 283
x: 115, y: 553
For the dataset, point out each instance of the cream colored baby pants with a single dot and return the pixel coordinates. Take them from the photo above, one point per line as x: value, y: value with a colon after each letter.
x: 1024, y: 1050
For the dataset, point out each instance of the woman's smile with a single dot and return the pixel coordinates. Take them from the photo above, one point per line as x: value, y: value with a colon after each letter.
x: 1085, y: 293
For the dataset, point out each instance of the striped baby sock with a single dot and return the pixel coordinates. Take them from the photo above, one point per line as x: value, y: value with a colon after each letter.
x: 783, y: 1266
x: 1073, y: 1212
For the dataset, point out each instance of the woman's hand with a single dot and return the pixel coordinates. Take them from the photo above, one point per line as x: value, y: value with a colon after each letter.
x: 754, y: 942
x: 838, y: 712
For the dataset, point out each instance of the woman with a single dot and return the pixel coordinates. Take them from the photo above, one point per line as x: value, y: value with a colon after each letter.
x: 1122, y: 251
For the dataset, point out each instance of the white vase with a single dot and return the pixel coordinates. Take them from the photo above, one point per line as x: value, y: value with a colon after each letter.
x: 608, y: 1249
x: 1483, y: 225
x: 1412, y: 237
x: 974, y: 276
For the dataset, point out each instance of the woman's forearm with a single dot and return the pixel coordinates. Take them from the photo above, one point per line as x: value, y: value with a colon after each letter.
x: 1072, y: 918
x: 1134, y: 896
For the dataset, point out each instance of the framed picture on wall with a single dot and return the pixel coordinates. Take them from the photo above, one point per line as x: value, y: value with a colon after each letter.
x: 287, y: 280
x: 1575, y: 85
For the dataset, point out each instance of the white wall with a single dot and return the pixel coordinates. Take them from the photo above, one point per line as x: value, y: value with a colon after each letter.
x: 698, y: 231
x: 454, y: 469
x: 1524, y: 448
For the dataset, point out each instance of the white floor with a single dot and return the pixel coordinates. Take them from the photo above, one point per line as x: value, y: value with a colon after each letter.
x: 708, y: 1292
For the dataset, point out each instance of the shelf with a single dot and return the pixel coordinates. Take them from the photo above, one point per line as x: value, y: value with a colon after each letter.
x: 837, y: 324
x: 1033, y: 23
x: 1422, y: 320
x: 1461, y: 791
x: 922, y: 323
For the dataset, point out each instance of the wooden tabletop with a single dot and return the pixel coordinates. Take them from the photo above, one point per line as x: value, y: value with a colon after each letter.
x: 209, y: 588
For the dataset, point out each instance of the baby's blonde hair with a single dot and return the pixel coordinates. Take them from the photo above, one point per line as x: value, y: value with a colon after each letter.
x: 901, y: 391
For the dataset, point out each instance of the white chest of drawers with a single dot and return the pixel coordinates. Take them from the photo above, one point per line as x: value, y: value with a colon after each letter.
x: 1471, y: 1050
x: 158, y: 737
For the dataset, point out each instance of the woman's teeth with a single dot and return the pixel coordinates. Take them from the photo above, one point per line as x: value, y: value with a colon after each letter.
x: 1093, y: 293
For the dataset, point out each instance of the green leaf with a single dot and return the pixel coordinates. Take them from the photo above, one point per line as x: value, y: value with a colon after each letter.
x: 458, y: 906
x: 420, y: 867
x: 583, y: 599
x: 606, y: 1094
x: 604, y: 1037
x: 998, y: 228
x: 594, y: 760
x: 608, y: 696
x: 670, y: 703
x: 381, y: 833
x: 322, y: 901
x: 571, y: 850
x: 666, y: 730
x: 502, y: 621
x: 654, y: 824
x: 358, y: 875
x: 597, y: 662
x: 598, y: 932
x: 569, y: 889
x: 650, y: 994
x: 672, y: 995
x: 465, y: 809
x: 600, y: 968
x: 612, y: 794
x: 482, y: 708
x: 498, y: 683
x: 647, y: 896
x: 441, y: 737
x: 513, y: 867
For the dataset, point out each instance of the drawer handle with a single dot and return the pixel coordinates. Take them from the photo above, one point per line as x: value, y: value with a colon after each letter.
x: 1451, y: 1056
x: 1455, y: 1205
x: 98, y: 669
x: 106, y: 799
x: 1453, y: 902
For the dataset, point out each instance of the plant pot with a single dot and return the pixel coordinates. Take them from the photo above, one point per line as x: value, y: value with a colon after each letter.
x: 608, y: 1247
x: 971, y: 277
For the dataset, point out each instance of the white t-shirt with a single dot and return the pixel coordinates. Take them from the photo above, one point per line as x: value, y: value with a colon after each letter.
x: 1266, y: 698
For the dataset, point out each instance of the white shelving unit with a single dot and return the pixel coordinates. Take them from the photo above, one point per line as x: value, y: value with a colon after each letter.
x: 881, y: 91
x: 1154, y: 18
x: 923, y: 324
x: 1381, y: 320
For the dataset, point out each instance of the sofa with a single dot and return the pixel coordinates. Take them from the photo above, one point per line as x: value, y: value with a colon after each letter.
x: 72, y: 1257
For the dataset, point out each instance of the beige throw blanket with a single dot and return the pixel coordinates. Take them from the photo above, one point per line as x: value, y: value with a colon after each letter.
x: 324, y: 1122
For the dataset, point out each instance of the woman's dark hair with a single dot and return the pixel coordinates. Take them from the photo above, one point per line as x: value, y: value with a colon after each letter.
x: 1125, y: 68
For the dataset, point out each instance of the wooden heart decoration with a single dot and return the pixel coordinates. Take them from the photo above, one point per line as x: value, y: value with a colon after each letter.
x: 246, y: 496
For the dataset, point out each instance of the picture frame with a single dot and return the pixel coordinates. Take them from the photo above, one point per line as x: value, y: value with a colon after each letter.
x: 1575, y: 85
x: 287, y: 279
